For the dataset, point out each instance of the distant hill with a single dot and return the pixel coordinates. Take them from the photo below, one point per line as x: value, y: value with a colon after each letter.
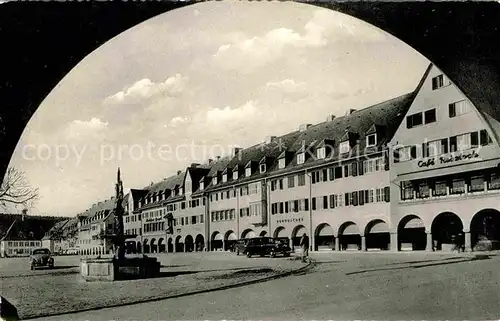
x: 38, y: 225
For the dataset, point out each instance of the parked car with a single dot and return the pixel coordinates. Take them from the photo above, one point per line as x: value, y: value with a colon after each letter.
x: 239, y: 246
x: 266, y: 246
x: 41, y: 257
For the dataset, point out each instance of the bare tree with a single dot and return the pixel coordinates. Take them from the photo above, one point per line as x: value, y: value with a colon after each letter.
x: 16, y: 189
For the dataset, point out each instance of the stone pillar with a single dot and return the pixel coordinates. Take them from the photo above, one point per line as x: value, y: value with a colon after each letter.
x: 363, y: 243
x: 468, y: 242
x: 429, y: 246
x: 337, y: 244
x: 394, y: 246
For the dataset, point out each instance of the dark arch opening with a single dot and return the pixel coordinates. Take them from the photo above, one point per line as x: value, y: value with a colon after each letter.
x: 263, y: 233
x: 377, y: 236
x: 179, y: 246
x: 153, y: 246
x: 297, y: 233
x: 161, y: 245
x: 349, y: 237
x: 146, y: 246
x: 324, y: 238
x: 139, y: 247
x: 248, y: 233
x: 485, y: 230
x: 447, y: 232
x: 230, y: 239
x: 217, y: 241
x: 411, y: 234
x: 189, y: 244
x: 200, y: 243
x: 170, y: 245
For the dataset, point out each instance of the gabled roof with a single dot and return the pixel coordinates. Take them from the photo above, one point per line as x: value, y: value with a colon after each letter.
x: 22, y: 231
x: 104, y: 207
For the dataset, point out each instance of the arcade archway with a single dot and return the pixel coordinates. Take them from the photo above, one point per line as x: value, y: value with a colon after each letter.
x: 377, y: 235
x: 189, y: 244
x: 170, y: 245
x: 217, y: 241
x: 263, y: 233
x: 199, y: 243
x: 161, y: 245
x: 485, y: 230
x: 179, y: 246
x: 248, y: 233
x: 447, y: 231
x: 229, y: 240
x: 153, y: 246
x: 324, y: 238
x: 146, y: 246
x: 349, y: 237
x: 411, y: 234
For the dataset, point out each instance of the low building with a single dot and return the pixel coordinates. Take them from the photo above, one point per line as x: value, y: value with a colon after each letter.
x: 19, y: 240
x: 53, y: 238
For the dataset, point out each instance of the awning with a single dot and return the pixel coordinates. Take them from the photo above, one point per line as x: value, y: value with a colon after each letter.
x: 218, y: 237
x: 351, y: 230
x: 379, y: 227
x: 414, y: 223
x: 326, y: 230
x: 232, y: 236
x: 301, y: 230
x: 250, y: 234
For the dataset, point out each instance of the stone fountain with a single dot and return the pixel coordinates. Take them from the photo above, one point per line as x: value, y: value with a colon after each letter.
x: 120, y: 266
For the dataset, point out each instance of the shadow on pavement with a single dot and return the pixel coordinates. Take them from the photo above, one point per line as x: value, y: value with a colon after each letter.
x: 423, y: 261
x: 173, y: 265
x: 475, y: 258
x: 236, y: 272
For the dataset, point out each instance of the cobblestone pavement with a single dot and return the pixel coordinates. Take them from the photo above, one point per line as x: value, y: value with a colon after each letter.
x: 47, y: 292
x: 345, y: 286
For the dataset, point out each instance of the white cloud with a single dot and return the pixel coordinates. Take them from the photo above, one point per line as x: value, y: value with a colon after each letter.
x: 145, y: 89
x: 245, y: 54
x: 287, y: 85
x: 79, y: 129
x: 179, y: 120
x: 228, y: 114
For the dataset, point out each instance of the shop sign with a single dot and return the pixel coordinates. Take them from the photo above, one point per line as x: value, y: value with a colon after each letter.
x: 448, y: 159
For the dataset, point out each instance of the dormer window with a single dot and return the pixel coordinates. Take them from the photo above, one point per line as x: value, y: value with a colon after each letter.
x: 224, y: 178
x: 371, y: 140
x: 262, y: 168
x: 301, y: 158
x: 214, y: 180
x: 344, y: 147
x: 181, y: 191
x: 281, y: 163
x: 202, y: 184
x: 248, y: 171
x: 321, y: 153
x: 235, y: 173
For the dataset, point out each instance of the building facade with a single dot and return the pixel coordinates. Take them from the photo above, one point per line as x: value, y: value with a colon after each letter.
x: 93, y: 227
x: 417, y: 172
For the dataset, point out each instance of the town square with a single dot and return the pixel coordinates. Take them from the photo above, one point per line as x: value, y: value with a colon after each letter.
x: 202, y: 166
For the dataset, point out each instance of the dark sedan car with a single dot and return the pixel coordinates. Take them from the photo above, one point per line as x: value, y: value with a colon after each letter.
x: 41, y: 257
x: 263, y: 246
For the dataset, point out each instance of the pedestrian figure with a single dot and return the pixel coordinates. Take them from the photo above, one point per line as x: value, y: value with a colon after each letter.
x: 304, y: 243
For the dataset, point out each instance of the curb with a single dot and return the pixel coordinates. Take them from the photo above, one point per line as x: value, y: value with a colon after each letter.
x: 220, y: 288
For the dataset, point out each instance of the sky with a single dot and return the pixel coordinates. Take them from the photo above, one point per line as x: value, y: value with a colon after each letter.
x: 195, y: 82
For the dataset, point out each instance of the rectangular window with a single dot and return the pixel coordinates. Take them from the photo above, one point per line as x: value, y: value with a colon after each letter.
x: 414, y: 120
x: 332, y: 201
x: 281, y: 207
x: 371, y: 140
x: 302, y: 180
x: 463, y: 141
x: 439, y: 188
x: 248, y: 171
x: 407, y: 191
x: 296, y: 206
x: 370, y: 196
x: 404, y: 154
x: 484, y: 138
x: 338, y: 172
x: 313, y: 203
x: 301, y: 158
x: 344, y: 147
x: 438, y: 82
x: 280, y: 182
x: 477, y: 184
x: 321, y: 153
x: 430, y: 116
x: 331, y: 171
x: 423, y: 190
x: 281, y: 163
x: 325, y: 202
x: 273, y: 185
x: 291, y: 181
x: 494, y: 181
x: 458, y: 108
x: 286, y: 207
x: 262, y: 168
x: 457, y: 186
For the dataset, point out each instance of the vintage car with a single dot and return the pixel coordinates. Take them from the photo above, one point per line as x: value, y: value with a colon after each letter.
x: 41, y: 257
x: 263, y: 246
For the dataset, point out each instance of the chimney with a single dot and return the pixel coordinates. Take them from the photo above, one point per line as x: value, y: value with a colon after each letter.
x: 236, y: 150
x: 218, y: 157
x: 304, y: 127
x: 269, y: 139
x: 330, y: 117
x: 179, y: 172
x: 151, y: 184
x: 210, y: 161
x: 350, y: 111
x: 24, y: 213
x: 194, y: 165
